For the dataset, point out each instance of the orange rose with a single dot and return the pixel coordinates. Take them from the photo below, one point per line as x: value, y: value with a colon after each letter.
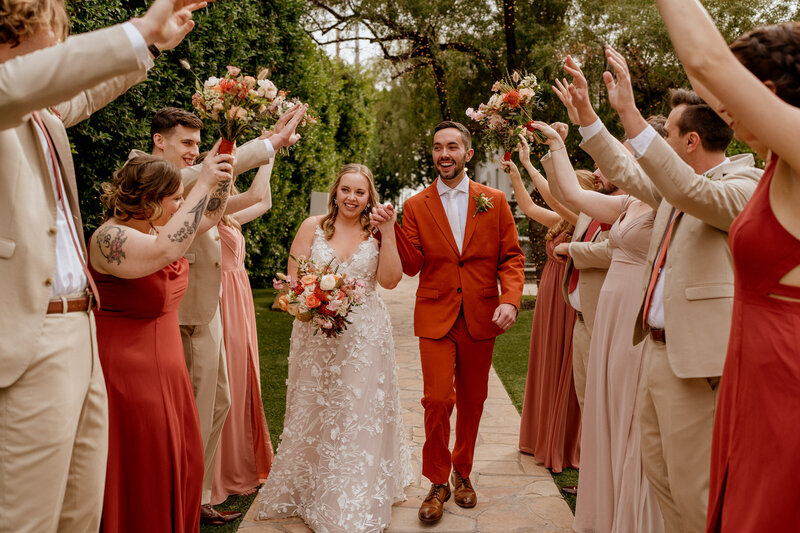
x: 308, y: 279
x: 312, y: 301
x: 283, y: 302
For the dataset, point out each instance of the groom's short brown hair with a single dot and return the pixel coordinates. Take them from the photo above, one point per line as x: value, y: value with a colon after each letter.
x: 167, y: 118
x: 465, y: 134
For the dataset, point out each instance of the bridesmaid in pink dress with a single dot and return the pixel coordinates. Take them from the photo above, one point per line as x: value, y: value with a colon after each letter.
x: 754, y: 459
x: 551, y: 422
x: 245, y: 451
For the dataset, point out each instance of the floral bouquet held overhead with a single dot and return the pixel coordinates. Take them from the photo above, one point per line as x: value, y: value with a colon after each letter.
x: 235, y: 103
x: 509, y: 111
x: 322, y: 295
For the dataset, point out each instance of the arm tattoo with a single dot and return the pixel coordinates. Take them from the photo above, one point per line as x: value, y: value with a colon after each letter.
x: 188, y: 228
x: 109, y: 241
x: 218, y: 198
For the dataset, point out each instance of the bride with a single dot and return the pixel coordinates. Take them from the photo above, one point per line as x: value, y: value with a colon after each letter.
x: 343, y: 460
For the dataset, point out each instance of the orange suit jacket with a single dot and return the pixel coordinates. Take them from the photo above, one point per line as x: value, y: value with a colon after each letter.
x: 449, y: 280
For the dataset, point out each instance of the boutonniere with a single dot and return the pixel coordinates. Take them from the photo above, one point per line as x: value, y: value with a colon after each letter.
x: 482, y: 203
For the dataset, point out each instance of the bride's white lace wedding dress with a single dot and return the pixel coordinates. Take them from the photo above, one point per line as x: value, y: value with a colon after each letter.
x: 343, y: 459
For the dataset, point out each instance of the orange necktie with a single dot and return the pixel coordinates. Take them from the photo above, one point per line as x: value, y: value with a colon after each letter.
x: 659, y: 263
x: 60, y: 193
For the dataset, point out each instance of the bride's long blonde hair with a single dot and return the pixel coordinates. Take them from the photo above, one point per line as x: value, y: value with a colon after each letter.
x: 327, y: 223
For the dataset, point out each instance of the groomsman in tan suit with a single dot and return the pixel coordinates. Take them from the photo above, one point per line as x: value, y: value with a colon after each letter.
x: 687, y: 294
x: 176, y: 138
x: 54, y: 421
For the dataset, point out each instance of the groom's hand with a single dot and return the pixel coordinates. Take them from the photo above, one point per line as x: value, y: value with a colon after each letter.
x: 504, y: 316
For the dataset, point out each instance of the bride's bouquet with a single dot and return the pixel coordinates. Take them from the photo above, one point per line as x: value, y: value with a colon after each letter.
x: 322, y: 295
x: 509, y: 112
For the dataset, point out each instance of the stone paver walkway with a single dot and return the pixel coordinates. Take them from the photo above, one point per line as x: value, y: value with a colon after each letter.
x: 515, y: 494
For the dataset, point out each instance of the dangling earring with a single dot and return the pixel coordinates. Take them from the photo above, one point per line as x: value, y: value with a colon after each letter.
x: 335, y: 204
x: 367, y: 209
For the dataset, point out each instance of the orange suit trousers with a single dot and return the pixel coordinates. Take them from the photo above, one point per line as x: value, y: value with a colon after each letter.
x: 455, y: 372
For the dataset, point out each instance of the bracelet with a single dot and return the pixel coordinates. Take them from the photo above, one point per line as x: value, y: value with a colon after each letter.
x: 562, y: 147
x: 154, y: 50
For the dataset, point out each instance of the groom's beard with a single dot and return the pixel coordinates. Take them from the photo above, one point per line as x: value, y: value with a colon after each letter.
x: 452, y: 172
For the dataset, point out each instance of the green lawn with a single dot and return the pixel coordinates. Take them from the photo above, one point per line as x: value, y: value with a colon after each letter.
x: 274, y: 328
x: 511, y: 364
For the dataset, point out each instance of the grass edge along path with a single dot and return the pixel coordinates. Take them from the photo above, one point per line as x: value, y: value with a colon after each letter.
x: 510, y: 361
x: 274, y: 328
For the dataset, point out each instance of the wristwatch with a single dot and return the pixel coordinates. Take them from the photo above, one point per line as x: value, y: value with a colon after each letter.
x: 154, y: 50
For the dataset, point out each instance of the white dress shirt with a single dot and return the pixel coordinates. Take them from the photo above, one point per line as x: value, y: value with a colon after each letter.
x: 462, y: 198
x: 69, y: 277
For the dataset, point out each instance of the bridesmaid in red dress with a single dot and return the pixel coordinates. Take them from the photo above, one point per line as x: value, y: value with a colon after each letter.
x: 244, y: 456
x: 155, y: 451
x: 754, y: 459
x: 551, y: 418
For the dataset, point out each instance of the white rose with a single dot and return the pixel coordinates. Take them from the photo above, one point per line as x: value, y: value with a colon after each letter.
x: 211, y: 82
x: 267, y: 89
x: 328, y: 282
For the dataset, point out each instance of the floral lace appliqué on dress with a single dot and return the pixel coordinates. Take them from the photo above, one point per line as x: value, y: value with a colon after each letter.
x: 343, y: 459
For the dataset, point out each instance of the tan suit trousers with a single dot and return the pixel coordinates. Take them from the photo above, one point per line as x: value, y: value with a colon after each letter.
x: 581, y: 338
x: 676, y: 419
x: 208, y: 370
x: 54, y: 434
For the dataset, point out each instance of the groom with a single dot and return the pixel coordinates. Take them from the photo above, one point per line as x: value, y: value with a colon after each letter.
x: 460, y: 237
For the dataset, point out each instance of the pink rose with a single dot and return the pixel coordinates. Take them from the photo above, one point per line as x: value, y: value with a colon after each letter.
x: 233, y: 71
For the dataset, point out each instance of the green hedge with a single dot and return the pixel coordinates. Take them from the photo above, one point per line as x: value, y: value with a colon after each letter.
x: 250, y: 34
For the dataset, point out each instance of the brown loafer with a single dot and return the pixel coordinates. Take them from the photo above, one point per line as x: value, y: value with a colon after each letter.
x: 432, y: 507
x: 212, y: 517
x: 463, y: 493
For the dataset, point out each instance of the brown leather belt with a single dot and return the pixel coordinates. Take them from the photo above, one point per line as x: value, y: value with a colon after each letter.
x: 658, y: 335
x: 73, y: 305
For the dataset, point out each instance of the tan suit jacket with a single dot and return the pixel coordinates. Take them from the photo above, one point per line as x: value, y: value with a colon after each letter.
x: 698, y: 282
x: 102, y: 65
x: 205, y: 254
x: 592, y: 260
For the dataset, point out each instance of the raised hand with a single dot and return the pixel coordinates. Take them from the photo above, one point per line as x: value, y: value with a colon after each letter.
x: 286, y: 132
x: 167, y: 22
x: 509, y: 167
x: 561, y: 88
x: 579, y: 92
x: 561, y: 128
x: 217, y: 169
x: 524, y: 149
x: 620, y: 91
x: 554, y: 140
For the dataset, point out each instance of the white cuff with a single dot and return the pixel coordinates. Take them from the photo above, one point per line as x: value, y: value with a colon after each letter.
x: 139, y: 45
x: 591, y: 130
x: 270, y: 149
x: 569, y: 249
x: 641, y: 142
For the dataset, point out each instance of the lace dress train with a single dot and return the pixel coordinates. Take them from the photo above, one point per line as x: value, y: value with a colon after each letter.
x: 343, y: 459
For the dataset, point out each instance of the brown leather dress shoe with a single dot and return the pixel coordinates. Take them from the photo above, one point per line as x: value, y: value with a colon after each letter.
x: 212, y: 517
x: 463, y: 493
x: 432, y: 507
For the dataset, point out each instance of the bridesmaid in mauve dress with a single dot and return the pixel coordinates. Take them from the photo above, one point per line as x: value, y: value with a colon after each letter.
x: 155, y: 452
x: 551, y: 420
x: 614, y: 494
x: 244, y: 456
